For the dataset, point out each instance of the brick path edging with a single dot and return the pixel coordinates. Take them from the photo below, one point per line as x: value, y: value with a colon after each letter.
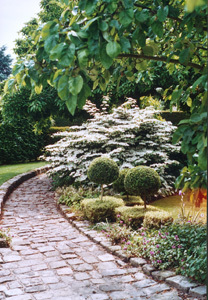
x: 9, y: 186
x: 178, y: 281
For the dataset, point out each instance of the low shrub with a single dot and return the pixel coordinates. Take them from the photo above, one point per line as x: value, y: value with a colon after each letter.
x: 132, y: 200
x: 134, y: 216
x: 154, y: 219
x: 72, y: 196
x: 96, y: 210
x: 142, y: 181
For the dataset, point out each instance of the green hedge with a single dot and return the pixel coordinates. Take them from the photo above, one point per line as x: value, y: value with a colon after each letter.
x: 19, y: 143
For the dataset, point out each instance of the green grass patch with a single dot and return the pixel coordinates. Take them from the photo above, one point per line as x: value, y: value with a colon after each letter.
x: 9, y: 171
x: 172, y: 205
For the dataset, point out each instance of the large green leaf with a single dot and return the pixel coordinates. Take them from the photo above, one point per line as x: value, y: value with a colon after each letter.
x: 71, y: 103
x: 63, y: 89
x: 162, y: 13
x: 67, y: 55
x: 125, y: 44
x: 157, y: 28
x: 51, y: 42
x: 57, y: 51
x: 202, y: 159
x: 113, y: 49
x: 105, y: 59
x: 75, y: 85
x: 197, y: 117
x: 126, y: 17
x: 83, y: 57
x: 139, y: 37
x: 83, y: 95
x: 184, y: 56
x: 142, y: 16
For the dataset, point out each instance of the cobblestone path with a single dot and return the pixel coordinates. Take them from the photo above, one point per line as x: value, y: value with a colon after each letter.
x: 50, y: 259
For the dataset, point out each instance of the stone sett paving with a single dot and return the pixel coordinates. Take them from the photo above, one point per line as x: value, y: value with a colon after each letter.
x: 50, y: 259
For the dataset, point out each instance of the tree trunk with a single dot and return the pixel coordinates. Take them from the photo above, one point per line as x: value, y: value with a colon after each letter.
x: 101, y: 192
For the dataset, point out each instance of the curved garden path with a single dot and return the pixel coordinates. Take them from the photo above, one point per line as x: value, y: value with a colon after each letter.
x: 50, y: 259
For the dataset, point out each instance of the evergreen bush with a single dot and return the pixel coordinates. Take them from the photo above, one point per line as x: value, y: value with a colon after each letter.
x: 142, y: 181
x: 134, y: 216
x: 118, y: 185
x: 154, y: 219
x: 96, y: 210
x: 103, y: 170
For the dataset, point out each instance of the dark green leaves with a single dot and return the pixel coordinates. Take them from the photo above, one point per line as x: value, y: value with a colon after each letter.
x: 83, y: 57
x: 51, y: 42
x: 71, y: 103
x: 157, y: 28
x: 162, y: 13
x: 184, y: 56
x: 142, y: 16
x: 63, y: 90
x: 75, y: 85
x: 126, y: 17
x: 105, y: 59
x: 113, y: 49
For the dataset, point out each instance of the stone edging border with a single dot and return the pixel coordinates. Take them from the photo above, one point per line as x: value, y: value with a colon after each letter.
x: 182, y: 283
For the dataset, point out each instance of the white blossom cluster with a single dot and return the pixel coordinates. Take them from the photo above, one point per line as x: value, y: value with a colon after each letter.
x: 129, y: 135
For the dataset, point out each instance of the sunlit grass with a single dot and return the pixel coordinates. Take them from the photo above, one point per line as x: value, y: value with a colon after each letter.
x: 9, y: 171
x: 172, y: 205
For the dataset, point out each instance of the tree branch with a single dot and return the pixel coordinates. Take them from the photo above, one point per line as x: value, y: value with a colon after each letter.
x: 160, y: 58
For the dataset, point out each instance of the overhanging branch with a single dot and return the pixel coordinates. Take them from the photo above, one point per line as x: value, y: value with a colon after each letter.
x: 160, y: 58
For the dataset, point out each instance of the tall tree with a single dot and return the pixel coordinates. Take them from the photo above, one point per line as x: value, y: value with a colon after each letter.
x: 95, y: 39
x: 5, y: 64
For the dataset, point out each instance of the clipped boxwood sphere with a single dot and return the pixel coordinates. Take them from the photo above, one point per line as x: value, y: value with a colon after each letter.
x: 103, y: 170
x: 142, y: 181
x: 118, y: 185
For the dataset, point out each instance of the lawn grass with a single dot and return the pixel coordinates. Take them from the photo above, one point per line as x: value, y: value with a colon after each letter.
x: 172, y: 205
x: 9, y: 171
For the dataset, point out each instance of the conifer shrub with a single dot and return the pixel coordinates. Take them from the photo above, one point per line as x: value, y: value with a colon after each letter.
x: 134, y: 215
x: 154, y: 219
x: 142, y: 181
x: 118, y: 185
x: 96, y: 210
x: 103, y: 170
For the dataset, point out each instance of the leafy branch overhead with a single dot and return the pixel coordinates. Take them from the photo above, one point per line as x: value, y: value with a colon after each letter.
x: 91, y: 38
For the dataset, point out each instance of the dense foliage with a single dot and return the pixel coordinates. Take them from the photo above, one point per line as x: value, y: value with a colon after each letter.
x: 19, y: 143
x: 142, y: 181
x: 5, y: 64
x: 103, y: 170
x: 93, y: 42
x: 129, y: 136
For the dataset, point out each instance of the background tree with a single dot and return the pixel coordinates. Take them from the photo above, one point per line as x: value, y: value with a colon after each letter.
x: 5, y: 64
x: 95, y: 41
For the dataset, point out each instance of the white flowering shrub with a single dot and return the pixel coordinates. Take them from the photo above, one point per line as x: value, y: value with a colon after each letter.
x: 129, y: 135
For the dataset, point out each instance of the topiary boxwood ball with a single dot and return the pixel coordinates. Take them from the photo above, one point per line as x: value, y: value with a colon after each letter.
x: 142, y: 181
x: 103, y: 170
